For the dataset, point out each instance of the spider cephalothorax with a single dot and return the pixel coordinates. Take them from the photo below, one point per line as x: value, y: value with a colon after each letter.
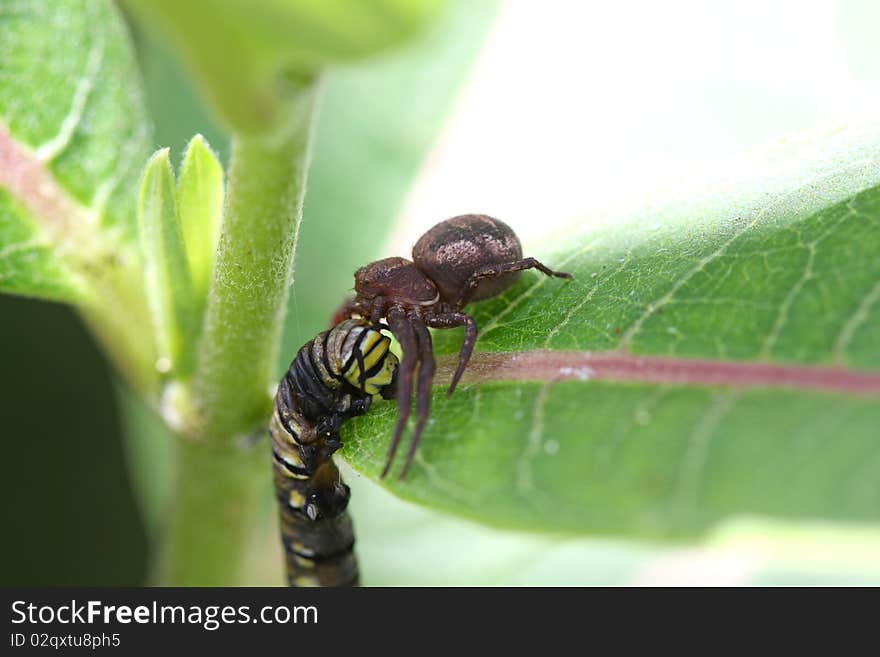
x: 465, y: 258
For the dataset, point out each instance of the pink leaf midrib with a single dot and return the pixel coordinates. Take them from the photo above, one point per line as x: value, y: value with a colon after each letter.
x: 29, y: 180
x: 540, y: 365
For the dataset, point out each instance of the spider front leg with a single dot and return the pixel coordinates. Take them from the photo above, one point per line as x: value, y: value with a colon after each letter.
x: 451, y: 320
x: 402, y: 329
x: 378, y: 307
x: 491, y: 271
x: 374, y: 310
x: 427, y: 366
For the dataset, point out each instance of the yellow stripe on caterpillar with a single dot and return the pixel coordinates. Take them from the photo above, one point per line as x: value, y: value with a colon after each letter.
x: 304, y: 562
x: 382, y: 378
x: 306, y: 580
x: 296, y: 499
x: 353, y: 374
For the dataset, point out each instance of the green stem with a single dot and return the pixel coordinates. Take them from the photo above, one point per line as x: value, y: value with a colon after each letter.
x: 217, y: 485
x: 218, y: 493
x: 252, y: 277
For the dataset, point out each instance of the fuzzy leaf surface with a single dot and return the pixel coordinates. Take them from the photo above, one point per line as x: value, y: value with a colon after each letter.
x: 73, y: 137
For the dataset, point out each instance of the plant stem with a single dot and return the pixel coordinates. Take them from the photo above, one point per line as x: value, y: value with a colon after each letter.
x: 218, y: 483
x: 252, y: 276
x: 213, y: 513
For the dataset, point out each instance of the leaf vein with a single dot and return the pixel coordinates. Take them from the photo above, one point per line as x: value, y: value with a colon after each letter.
x: 858, y: 318
x: 576, y: 308
x: 524, y: 477
x: 693, y: 462
x: 515, y: 303
x: 53, y: 147
x: 30, y: 245
x: 636, y: 326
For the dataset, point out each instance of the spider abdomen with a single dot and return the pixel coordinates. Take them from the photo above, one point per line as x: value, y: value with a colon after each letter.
x: 454, y: 249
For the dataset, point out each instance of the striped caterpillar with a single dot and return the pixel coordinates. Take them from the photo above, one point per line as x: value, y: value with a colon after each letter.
x: 333, y: 377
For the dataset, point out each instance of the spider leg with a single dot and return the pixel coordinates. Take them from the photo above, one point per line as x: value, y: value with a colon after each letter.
x: 491, y: 271
x: 377, y: 310
x: 403, y: 331
x: 427, y: 366
x: 450, y: 320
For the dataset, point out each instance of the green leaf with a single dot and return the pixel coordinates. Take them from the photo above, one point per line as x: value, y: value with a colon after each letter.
x: 712, y: 358
x: 395, y: 540
x: 73, y: 105
x: 28, y: 264
x: 73, y: 139
x: 278, y: 44
x: 166, y: 270
x: 200, y: 206
x: 73, y: 136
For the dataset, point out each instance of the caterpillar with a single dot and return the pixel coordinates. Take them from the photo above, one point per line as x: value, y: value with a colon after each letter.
x: 332, y: 378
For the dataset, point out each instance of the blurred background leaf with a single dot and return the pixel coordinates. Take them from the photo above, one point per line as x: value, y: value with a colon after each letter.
x: 276, y: 43
x: 73, y: 137
x: 75, y: 102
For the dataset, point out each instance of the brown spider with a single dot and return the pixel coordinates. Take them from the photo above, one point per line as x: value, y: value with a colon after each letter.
x: 466, y: 258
